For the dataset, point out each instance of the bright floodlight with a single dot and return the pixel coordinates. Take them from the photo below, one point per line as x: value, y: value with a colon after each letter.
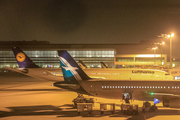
x: 172, y: 34
x: 154, y: 48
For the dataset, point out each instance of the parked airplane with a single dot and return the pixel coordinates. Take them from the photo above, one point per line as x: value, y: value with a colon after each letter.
x: 128, y: 74
x: 75, y: 79
x: 29, y: 68
x: 124, y: 74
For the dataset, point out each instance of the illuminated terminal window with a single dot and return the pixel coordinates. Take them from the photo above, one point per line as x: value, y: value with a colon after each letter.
x: 91, y: 58
x: 148, y: 59
x: 124, y: 59
x: 92, y: 53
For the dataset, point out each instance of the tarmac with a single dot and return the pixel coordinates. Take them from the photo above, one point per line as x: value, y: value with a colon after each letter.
x: 26, y: 98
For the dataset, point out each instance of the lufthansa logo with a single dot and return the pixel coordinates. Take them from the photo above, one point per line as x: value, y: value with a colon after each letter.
x: 20, y: 57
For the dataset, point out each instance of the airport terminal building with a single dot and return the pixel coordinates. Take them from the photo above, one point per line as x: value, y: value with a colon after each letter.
x: 44, y: 54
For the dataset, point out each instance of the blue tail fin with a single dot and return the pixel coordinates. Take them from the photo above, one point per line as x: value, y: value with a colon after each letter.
x: 22, y: 59
x: 71, y: 70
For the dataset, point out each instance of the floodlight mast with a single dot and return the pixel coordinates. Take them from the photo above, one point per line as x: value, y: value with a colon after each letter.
x: 169, y: 37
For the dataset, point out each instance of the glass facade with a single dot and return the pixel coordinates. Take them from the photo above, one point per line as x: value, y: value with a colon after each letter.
x: 124, y: 59
x: 50, y: 58
x: 141, y: 59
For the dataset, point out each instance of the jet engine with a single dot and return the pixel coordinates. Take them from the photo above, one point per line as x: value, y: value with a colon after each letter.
x: 173, y: 103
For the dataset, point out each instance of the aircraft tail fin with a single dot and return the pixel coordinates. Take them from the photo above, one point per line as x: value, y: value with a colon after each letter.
x: 82, y: 65
x: 22, y: 59
x: 71, y: 70
x: 103, y: 65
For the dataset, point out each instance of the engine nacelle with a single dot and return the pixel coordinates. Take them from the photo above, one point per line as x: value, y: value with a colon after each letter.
x: 174, y: 103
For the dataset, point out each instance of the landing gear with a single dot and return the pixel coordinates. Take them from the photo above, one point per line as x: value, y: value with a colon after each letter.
x: 80, y: 99
x: 127, y: 97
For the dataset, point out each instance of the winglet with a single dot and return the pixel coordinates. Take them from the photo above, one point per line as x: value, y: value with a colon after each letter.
x: 103, y: 65
x: 71, y: 70
x: 82, y: 65
x: 22, y: 59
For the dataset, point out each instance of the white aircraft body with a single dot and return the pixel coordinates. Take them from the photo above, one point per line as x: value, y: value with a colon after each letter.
x: 128, y: 74
x: 125, y: 73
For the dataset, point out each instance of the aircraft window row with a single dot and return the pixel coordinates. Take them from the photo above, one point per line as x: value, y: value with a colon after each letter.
x: 157, y: 87
x: 104, y: 73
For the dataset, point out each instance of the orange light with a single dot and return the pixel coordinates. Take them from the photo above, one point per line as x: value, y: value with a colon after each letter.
x: 154, y: 48
x: 172, y: 34
x: 148, y: 55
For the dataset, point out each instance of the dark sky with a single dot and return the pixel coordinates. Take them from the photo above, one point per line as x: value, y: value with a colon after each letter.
x: 88, y: 21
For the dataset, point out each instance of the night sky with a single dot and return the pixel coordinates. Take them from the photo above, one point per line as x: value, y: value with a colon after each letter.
x: 88, y: 21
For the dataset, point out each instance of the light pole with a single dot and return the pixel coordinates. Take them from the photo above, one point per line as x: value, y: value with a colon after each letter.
x: 169, y: 37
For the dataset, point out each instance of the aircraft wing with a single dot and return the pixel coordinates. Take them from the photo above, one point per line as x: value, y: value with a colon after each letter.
x: 45, y: 74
